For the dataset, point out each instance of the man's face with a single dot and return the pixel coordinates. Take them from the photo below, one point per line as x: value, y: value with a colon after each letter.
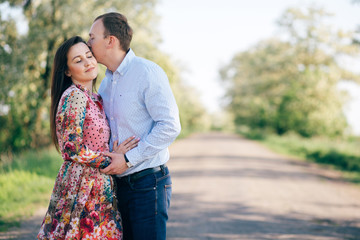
x: 97, y: 41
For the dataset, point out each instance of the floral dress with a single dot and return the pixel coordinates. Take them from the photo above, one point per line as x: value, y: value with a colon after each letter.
x: 81, y: 204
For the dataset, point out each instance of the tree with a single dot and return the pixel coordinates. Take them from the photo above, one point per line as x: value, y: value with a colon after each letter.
x: 11, y: 68
x: 26, y: 61
x: 291, y: 85
x: 357, y: 36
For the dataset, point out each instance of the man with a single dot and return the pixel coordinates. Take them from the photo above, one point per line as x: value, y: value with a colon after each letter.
x: 138, y: 101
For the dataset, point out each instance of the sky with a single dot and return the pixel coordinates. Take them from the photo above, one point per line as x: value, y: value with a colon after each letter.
x: 201, y: 36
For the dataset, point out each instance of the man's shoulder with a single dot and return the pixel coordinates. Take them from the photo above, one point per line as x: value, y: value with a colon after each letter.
x: 145, y: 64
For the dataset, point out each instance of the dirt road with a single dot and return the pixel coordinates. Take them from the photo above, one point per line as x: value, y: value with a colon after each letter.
x: 225, y: 187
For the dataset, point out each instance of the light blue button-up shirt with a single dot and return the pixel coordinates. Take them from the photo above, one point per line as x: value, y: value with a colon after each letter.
x: 138, y: 101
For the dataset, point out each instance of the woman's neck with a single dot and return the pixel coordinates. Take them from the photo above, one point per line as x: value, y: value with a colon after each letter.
x: 87, y: 86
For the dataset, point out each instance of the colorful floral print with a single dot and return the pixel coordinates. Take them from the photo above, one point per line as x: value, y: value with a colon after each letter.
x: 81, y: 205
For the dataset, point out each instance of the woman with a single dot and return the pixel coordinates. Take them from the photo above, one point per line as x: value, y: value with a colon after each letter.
x: 82, y: 205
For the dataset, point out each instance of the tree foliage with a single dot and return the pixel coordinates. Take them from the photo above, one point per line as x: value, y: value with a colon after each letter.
x: 26, y: 60
x: 290, y: 83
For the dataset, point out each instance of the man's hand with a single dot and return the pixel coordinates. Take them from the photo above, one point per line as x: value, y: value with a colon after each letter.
x: 117, y: 166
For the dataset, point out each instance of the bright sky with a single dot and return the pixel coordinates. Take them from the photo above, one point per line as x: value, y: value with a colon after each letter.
x: 203, y: 35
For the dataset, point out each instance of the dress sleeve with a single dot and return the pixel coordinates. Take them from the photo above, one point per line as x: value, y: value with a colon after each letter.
x: 71, y: 119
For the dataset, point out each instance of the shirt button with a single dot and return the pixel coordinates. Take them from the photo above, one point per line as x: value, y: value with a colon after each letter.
x: 111, y: 118
x: 114, y: 136
x: 121, y: 74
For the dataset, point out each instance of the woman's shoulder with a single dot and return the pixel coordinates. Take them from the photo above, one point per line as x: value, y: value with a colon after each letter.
x: 73, y: 91
x: 74, y: 95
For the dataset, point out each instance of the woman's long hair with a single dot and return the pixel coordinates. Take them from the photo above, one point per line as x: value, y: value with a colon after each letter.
x: 60, y: 82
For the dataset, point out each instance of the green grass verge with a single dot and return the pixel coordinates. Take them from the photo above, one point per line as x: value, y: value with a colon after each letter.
x: 26, y: 182
x: 341, y: 154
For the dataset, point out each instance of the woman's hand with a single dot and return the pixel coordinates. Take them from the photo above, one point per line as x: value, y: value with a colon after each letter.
x: 126, y: 145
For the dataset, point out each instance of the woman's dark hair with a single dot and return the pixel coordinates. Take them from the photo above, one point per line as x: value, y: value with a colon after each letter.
x: 116, y: 24
x: 60, y: 82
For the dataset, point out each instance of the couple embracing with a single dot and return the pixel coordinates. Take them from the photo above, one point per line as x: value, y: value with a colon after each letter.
x: 113, y: 183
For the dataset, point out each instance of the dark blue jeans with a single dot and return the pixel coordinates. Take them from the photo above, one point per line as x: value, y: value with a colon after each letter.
x: 144, y: 204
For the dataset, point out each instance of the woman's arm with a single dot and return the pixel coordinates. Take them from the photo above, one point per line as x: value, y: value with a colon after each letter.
x: 70, y: 123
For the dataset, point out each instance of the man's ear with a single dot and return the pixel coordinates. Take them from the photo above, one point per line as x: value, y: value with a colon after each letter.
x: 112, y: 41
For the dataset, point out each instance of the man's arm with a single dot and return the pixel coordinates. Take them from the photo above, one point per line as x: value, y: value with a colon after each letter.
x: 161, y: 105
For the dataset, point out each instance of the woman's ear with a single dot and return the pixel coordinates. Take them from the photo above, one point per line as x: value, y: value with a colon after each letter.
x: 67, y: 73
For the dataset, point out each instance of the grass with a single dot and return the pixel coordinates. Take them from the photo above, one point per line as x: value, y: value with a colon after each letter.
x: 341, y: 154
x: 26, y: 182
x: 27, y: 179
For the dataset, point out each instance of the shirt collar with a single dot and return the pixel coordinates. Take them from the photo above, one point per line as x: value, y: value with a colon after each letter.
x: 124, y: 65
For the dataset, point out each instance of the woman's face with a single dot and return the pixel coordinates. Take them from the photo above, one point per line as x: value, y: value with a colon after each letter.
x: 82, y: 65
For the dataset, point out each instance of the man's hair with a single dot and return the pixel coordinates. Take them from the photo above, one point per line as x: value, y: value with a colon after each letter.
x: 116, y: 24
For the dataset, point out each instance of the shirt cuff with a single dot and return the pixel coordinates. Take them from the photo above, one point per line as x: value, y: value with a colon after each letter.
x: 133, y: 157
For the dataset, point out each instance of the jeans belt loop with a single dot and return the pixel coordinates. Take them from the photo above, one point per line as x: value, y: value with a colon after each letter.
x: 128, y: 179
x: 163, y: 169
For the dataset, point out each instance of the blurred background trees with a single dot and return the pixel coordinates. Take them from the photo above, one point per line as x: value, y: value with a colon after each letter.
x: 290, y: 83
x: 26, y: 61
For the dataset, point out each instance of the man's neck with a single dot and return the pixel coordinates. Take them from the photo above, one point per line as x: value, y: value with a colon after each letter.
x: 116, y: 59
